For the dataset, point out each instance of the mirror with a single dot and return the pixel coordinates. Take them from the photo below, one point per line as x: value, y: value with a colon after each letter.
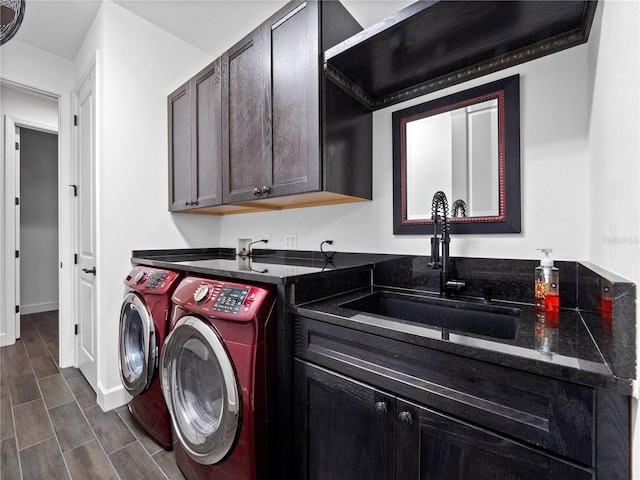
x: 467, y: 145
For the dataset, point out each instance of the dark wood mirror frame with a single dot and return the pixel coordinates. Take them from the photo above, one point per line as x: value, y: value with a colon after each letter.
x: 507, y: 92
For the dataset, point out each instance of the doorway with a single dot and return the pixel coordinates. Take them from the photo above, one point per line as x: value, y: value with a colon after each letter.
x: 35, y: 117
x: 38, y: 226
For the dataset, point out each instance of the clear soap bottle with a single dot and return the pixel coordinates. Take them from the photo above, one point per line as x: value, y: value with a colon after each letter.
x: 547, y: 284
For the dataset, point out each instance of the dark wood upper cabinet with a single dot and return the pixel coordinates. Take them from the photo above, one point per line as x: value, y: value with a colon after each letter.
x: 294, y: 41
x: 195, y: 149
x: 180, y: 183
x: 272, y: 132
x: 246, y: 117
x: 289, y: 138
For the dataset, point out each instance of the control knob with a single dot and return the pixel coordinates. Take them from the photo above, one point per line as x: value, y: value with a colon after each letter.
x: 202, y: 293
x: 139, y: 276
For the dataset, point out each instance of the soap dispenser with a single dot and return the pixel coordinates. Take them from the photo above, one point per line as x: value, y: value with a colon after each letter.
x: 547, y: 285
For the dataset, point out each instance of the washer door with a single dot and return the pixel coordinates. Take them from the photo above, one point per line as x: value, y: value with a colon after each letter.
x: 200, y: 388
x: 137, y: 345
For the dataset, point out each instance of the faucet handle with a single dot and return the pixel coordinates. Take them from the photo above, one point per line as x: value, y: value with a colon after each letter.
x: 435, y: 253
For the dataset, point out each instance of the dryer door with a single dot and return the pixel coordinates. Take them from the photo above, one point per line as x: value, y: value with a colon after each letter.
x: 201, y: 389
x: 137, y: 345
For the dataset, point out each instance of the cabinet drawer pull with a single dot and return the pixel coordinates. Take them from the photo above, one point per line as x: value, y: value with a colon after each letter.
x: 405, y: 417
x: 381, y: 407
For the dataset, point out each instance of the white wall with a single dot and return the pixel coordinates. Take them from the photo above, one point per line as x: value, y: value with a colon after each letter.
x: 554, y: 120
x: 614, y: 151
x: 138, y: 65
x: 614, y: 139
x: 38, y: 220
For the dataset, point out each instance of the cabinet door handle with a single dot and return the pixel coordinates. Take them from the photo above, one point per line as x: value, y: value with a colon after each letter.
x: 381, y: 407
x: 260, y: 191
x: 405, y: 417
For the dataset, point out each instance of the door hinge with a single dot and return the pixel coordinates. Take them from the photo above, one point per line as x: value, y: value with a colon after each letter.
x: 17, y: 201
x: 17, y: 253
x: 75, y: 258
x: 75, y: 190
x: 17, y: 146
x: 75, y: 120
x: 75, y: 329
x: 17, y: 308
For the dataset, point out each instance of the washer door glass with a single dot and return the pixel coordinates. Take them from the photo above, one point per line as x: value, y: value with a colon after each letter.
x: 200, y: 387
x: 137, y: 345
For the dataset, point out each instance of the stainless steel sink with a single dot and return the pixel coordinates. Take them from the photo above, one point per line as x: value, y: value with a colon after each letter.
x: 479, y: 319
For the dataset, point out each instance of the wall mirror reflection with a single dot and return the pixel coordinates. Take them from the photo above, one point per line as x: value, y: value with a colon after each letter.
x: 468, y: 146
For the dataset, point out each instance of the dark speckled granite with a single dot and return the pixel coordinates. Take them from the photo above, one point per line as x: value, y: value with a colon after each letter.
x: 585, y: 347
x: 608, y: 304
x: 510, y: 280
x: 563, y: 349
x: 264, y: 267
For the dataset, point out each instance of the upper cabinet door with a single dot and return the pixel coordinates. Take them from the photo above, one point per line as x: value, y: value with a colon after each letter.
x: 246, y: 119
x: 295, y: 77
x: 207, y: 140
x: 195, y: 136
x: 180, y: 182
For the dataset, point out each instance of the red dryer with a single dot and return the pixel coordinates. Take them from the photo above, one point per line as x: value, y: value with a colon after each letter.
x: 144, y: 325
x: 217, y: 368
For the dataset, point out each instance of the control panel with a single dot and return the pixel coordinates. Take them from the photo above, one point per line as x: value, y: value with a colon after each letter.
x: 155, y: 280
x: 232, y: 299
x: 219, y: 299
x: 151, y: 280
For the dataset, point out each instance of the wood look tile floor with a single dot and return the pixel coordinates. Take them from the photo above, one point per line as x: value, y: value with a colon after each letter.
x: 51, y: 426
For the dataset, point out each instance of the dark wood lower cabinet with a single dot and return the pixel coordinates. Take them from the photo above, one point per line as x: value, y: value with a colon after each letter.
x: 347, y: 430
x: 433, y: 446
x: 343, y: 430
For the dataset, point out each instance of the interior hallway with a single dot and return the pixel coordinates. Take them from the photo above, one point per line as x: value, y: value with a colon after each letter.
x: 51, y: 426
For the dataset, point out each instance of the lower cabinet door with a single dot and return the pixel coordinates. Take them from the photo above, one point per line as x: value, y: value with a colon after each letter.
x: 344, y: 429
x: 432, y: 446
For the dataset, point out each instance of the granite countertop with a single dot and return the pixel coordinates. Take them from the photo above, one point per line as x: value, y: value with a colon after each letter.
x: 266, y: 266
x: 575, y: 350
x: 567, y: 352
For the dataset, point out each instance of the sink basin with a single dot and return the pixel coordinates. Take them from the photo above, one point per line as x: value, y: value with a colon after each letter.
x: 479, y: 319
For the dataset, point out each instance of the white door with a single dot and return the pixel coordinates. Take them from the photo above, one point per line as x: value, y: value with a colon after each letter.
x: 10, y: 313
x: 86, y: 230
x: 17, y: 233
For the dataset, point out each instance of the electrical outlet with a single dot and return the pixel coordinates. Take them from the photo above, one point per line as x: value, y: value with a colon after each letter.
x: 290, y: 241
x: 243, y: 244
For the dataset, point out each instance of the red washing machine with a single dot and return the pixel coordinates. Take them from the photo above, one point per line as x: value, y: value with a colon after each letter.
x: 144, y: 325
x: 217, y: 368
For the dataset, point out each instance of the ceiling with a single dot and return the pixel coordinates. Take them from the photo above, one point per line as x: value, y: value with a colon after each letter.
x: 60, y: 26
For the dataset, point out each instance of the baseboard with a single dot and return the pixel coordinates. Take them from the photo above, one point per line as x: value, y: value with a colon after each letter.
x: 4, y: 340
x: 108, y: 399
x: 38, y: 307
